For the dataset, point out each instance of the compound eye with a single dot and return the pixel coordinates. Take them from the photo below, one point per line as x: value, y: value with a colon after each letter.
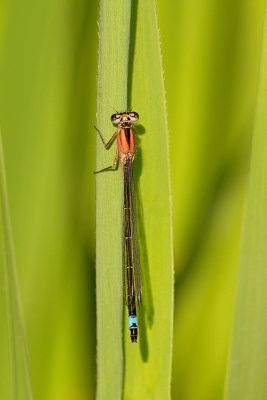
x: 134, y: 116
x: 115, y: 118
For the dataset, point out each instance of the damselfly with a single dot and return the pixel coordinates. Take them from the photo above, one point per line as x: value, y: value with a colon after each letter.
x: 125, y: 135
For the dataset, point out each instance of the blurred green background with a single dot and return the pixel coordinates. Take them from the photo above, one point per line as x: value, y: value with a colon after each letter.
x: 48, y: 66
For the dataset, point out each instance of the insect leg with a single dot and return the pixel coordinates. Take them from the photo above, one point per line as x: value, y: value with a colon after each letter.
x: 110, y: 140
x: 113, y: 166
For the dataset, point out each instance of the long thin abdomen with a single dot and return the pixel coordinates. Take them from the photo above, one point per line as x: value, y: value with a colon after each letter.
x: 130, y: 289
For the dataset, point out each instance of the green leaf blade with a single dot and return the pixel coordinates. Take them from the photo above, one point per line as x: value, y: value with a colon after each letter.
x: 19, y: 386
x: 148, y: 365
x: 114, y: 32
x: 247, y: 367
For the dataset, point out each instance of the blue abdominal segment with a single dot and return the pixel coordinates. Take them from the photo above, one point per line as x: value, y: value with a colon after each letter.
x: 132, y: 321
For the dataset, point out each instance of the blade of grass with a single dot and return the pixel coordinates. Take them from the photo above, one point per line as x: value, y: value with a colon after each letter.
x: 247, y: 367
x: 20, y: 385
x: 114, y: 31
x: 50, y: 157
x: 148, y: 365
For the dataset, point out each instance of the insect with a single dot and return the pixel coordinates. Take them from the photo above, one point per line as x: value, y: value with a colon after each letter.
x: 125, y: 135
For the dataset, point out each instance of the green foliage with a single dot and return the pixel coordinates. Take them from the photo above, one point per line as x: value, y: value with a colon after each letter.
x: 211, y: 57
x: 48, y: 69
x: 248, y: 360
x: 143, y: 377
x: 111, y: 92
x: 47, y: 112
x: 148, y: 368
x: 15, y: 378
